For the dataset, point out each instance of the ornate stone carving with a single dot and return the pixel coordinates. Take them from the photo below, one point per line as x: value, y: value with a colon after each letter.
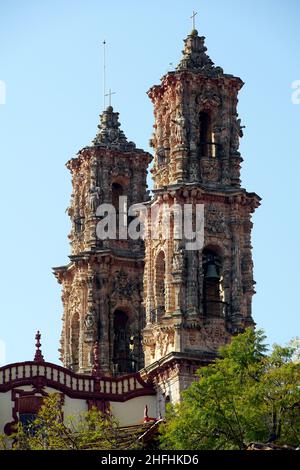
x: 209, y: 99
x: 192, y: 337
x: 178, y: 263
x: 196, y: 141
x: 192, y: 107
x: 195, y: 57
x: 236, y: 134
x: 90, y: 280
x: 164, y: 341
x: 89, y: 320
x: 110, y: 133
x: 95, y: 197
x: 215, y: 221
x: 210, y: 170
x: 180, y: 127
x: 123, y: 286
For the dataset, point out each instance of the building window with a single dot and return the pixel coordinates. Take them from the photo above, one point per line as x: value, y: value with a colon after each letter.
x: 27, y: 419
x: 121, y: 210
x: 28, y: 408
x: 123, y: 342
x: 117, y: 191
x: 205, y: 140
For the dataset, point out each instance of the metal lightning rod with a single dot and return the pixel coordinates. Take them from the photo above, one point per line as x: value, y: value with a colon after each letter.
x: 104, y: 73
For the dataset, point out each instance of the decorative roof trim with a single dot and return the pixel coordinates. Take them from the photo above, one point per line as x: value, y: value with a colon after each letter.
x: 82, y: 386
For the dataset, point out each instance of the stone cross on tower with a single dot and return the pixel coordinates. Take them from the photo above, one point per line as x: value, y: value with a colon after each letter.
x: 193, y: 18
x: 109, y: 95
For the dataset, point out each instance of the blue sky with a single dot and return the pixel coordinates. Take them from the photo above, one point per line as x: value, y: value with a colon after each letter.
x: 51, y: 62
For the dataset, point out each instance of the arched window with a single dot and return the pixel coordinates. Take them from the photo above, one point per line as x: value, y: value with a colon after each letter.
x: 205, y: 130
x: 122, y: 360
x: 117, y: 191
x: 120, y: 207
x: 75, y: 330
x: 160, y: 281
x: 212, y: 287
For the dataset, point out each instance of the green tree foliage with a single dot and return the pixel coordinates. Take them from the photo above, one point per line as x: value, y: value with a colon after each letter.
x: 88, y: 430
x: 246, y: 396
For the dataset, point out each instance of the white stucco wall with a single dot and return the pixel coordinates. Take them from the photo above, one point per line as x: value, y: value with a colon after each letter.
x: 131, y: 412
x: 127, y: 413
x: 6, y: 406
x: 73, y: 407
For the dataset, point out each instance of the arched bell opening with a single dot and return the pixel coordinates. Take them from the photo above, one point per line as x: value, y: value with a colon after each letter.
x: 120, y: 204
x: 213, y: 294
x: 207, y: 145
x: 123, y: 344
x: 117, y: 191
x: 205, y: 139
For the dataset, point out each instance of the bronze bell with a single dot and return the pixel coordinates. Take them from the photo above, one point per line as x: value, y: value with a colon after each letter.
x: 211, y: 272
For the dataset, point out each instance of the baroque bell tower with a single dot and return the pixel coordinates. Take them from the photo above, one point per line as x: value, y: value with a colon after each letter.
x: 102, y: 286
x: 195, y: 300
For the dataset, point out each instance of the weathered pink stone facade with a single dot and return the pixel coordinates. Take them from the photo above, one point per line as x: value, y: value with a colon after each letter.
x: 196, y: 161
x: 172, y: 307
x: 104, y: 276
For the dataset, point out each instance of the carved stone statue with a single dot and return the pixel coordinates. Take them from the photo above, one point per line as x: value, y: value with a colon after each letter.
x: 160, y: 155
x: 178, y: 260
x: 89, y: 320
x: 180, y: 129
x: 236, y: 134
x: 95, y: 199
